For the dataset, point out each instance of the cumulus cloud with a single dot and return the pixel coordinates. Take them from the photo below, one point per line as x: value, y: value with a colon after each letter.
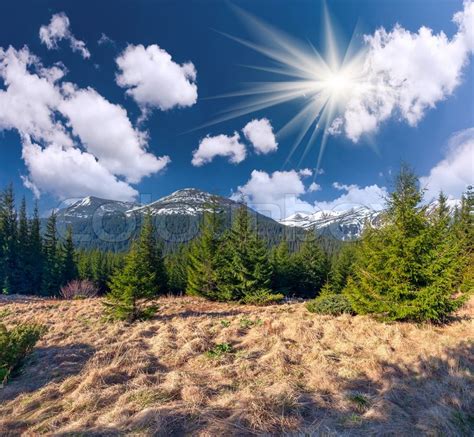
x: 70, y: 173
x: 455, y: 172
x: 314, y: 187
x: 59, y: 29
x: 276, y: 195
x: 154, y: 80
x: 75, y: 142
x: 405, y: 74
x: 305, y: 172
x: 106, y: 131
x: 260, y: 134
x: 220, y: 145
x: 354, y: 196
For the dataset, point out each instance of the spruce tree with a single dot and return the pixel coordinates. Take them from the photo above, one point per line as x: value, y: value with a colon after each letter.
x: 342, y: 267
x: 245, y: 270
x: 24, y: 279
x: 203, y: 258
x: 283, y: 268
x: 406, y: 269
x: 312, y: 267
x: 68, y: 259
x: 51, y: 277
x: 177, y: 269
x: 35, y: 253
x: 137, y: 282
x: 9, y: 234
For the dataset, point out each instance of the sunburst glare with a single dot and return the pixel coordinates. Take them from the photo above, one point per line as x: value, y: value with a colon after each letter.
x: 321, y: 83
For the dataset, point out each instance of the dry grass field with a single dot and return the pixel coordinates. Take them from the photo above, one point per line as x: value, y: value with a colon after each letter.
x: 210, y: 369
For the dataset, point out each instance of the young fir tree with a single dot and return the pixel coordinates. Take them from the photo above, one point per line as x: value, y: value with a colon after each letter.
x: 312, y: 267
x: 203, y: 259
x: 9, y: 250
x: 407, y: 269
x: 51, y: 278
x: 138, y: 280
x: 68, y: 259
x: 245, y: 270
x: 342, y: 267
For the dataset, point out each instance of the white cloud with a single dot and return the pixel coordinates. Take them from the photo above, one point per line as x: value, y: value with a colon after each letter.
x: 371, y: 196
x: 154, y: 80
x: 104, y: 39
x: 47, y: 112
x: 58, y: 29
x: 106, y: 131
x: 314, y: 187
x: 220, y: 145
x: 455, y: 172
x: 69, y: 172
x: 305, y: 172
x: 276, y: 195
x: 407, y: 73
x: 260, y: 134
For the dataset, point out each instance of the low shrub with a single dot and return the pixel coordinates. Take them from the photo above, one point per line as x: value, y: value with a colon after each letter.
x: 15, y: 345
x: 219, y: 350
x: 79, y: 290
x: 331, y: 304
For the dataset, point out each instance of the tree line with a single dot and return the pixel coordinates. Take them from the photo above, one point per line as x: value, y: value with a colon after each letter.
x: 417, y: 265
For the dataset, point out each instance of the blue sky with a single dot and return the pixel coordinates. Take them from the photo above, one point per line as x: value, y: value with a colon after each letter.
x: 124, y: 102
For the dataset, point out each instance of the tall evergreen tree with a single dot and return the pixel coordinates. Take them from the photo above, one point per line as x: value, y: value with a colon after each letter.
x: 203, y: 258
x: 245, y: 270
x: 24, y: 279
x: 52, y: 259
x: 137, y: 281
x: 69, y: 269
x: 177, y: 269
x: 406, y: 269
x: 9, y: 250
x: 342, y: 267
x: 283, y: 268
x: 35, y: 253
x: 312, y: 267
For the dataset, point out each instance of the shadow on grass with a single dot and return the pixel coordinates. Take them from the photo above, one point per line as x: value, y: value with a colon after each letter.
x: 45, y: 365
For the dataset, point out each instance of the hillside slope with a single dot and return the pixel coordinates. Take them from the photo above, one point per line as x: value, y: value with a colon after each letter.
x: 286, y: 371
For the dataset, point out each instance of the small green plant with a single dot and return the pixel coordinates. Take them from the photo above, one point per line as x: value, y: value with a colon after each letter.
x: 247, y: 323
x: 225, y: 323
x: 219, y: 349
x: 15, y: 345
x: 331, y: 304
x: 361, y: 401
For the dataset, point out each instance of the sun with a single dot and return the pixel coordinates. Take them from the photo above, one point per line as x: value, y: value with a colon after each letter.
x: 321, y: 83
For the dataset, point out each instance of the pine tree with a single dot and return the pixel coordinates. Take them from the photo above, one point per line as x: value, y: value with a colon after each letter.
x: 52, y: 260
x: 464, y: 232
x: 342, y: 267
x: 24, y: 279
x: 407, y: 269
x: 312, y: 267
x: 68, y: 259
x: 203, y: 259
x: 9, y: 251
x: 136, y: 282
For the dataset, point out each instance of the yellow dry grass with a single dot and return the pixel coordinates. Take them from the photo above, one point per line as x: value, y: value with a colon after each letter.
x: 288, y: 372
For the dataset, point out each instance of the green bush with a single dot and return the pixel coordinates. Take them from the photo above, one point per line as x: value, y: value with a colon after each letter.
x: 15, y: 345
x: 331, y: 304
x: 219, y: 349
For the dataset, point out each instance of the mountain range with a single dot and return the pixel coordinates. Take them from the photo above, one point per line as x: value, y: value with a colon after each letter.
x: 110, y: 224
